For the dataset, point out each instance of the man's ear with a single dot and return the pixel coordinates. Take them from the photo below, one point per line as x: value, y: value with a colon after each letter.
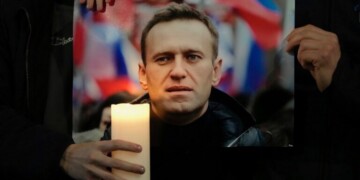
x: 217, y: 71
x: 142, y: 76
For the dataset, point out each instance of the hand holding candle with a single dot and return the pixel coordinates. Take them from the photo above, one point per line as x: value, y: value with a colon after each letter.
x: 131, y: 123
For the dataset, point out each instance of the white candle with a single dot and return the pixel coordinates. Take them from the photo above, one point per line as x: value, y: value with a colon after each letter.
x: 130, y: 122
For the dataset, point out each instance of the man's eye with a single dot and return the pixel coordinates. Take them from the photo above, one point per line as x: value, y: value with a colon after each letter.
x: 162, y: 60
x: 193, y: 57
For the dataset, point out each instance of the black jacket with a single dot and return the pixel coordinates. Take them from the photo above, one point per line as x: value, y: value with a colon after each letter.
x: 27, y: 149
x: 238, y: 162
x: 326, y: 129
x: 236, y: 122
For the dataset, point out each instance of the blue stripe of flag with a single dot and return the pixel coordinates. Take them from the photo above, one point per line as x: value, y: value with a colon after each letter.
x: 269, y: 4
x: 119, y: 60
x: 256, y: 69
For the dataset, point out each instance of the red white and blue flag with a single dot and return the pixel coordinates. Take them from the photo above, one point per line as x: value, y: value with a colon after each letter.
x: 257, y: 26
x: 105, y: 60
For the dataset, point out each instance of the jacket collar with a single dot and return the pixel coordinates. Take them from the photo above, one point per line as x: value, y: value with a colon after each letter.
x: 221, y: 98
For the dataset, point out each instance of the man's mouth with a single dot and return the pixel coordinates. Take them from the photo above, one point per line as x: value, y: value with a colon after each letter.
x: 178, y: 88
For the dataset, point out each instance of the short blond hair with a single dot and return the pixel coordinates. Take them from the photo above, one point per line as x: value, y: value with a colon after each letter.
x: 175, y: 12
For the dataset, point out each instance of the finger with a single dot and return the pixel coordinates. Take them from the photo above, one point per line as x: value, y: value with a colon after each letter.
x: 90, y: 4
x: 308, y: 59
x: 316, y: 29
x: 299, y: 36
x: 324, y: 51
x: 322, y: 35
x: 309, y: 44
x: 102, y: 173
x: 293, y: 40
x: 82, y: 1
x: 100, y: 5
x: 112, y: 145
x: 306, y: 32
x: 121, y: 164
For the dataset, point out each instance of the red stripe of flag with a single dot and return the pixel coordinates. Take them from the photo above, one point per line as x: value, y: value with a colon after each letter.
x: 264, y: 23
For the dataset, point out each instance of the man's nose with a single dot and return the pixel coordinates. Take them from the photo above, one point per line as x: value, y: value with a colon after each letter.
x: 179, y: 70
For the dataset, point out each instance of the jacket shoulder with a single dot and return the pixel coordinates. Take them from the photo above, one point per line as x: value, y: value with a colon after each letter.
x: 236, y: 121
x: 251, y: 137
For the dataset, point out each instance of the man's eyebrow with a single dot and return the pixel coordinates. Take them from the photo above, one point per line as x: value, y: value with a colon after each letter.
x: 170, y: 53
x: 165, y: 53
x: 190, y: 51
